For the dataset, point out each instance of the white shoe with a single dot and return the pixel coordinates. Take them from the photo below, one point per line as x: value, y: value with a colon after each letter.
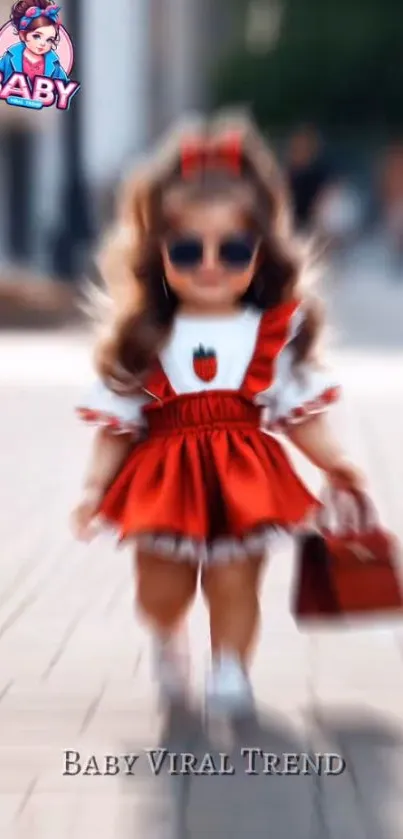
x: 171, y: 666
x: 228, y: 688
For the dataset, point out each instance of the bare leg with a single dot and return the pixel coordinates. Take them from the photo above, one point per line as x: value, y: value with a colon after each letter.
x: 232, y: 593
x: 165, y: 591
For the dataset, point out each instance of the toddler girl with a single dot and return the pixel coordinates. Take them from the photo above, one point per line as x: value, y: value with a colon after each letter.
x: 210, y: 349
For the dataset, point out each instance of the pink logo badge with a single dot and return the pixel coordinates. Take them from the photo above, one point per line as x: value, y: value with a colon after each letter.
x: 36, y: 58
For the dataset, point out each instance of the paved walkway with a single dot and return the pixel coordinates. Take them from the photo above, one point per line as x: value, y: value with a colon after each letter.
x: 75, y: 670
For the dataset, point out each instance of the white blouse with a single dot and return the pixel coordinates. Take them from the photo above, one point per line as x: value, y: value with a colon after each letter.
x: 297, y: 390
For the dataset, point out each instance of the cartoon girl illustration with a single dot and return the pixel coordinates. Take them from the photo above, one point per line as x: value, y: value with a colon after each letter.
x: 211, y: 347
x: 38, y: 30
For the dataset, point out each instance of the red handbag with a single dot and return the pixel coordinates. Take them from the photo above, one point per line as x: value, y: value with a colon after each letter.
x: 348, y: 571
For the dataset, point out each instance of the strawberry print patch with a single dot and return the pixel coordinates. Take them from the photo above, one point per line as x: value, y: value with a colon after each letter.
x: 205, y: 363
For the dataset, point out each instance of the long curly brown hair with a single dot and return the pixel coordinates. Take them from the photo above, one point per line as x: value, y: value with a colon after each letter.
x: 140, y: 312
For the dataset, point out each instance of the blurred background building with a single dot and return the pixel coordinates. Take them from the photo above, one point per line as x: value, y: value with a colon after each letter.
x: 139, y: 70
x: 325, y: 83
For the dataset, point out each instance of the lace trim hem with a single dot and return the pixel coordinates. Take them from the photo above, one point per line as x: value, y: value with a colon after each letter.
x: 181, y: 548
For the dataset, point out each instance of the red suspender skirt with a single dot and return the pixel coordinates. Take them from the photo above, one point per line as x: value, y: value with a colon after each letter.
x: 207, y: 483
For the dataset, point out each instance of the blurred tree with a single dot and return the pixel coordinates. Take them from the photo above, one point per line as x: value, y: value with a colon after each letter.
x: 336, y: 62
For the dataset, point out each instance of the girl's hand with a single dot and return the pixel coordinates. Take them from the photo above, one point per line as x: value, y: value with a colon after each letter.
x: 345, y: 476
x: 83, y: 517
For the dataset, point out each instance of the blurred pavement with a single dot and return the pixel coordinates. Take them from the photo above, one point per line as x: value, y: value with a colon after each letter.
x: 74, y: 666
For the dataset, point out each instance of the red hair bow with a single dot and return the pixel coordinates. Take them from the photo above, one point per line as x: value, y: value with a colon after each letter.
x: 224, y: 154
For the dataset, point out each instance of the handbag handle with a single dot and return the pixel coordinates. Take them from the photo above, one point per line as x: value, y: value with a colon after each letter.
x: 352, y: 512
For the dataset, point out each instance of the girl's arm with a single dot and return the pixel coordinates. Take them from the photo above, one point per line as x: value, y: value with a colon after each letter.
x: 315, y: 439
x: 298, y: 403
x: 120, y: 421
x: 108, y: 453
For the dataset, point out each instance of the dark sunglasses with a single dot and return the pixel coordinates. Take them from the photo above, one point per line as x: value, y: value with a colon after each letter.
x: 234, y: 252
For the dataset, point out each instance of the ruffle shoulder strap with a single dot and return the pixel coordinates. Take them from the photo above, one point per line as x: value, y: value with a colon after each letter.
x: 278, y: 327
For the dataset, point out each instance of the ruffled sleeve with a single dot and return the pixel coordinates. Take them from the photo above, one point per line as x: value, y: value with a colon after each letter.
x: 104, y: 408
x: 298, y: 391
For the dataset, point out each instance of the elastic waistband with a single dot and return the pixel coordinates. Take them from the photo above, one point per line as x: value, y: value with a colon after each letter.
x: 207, y: 410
